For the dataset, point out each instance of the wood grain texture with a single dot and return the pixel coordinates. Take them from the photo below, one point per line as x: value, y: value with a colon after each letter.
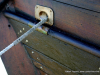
x: 63, y: 53
x: 43, y: 67
x: 54, y: 67
x: 15, y: 60
x: 73, y: 20
x: 92, y: 5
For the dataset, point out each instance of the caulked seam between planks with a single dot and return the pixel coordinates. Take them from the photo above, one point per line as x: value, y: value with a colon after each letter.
x: 77, y: 6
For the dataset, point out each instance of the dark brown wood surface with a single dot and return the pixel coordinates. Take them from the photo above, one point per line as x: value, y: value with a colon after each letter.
x: 92, y: 5
x: 69, y: 56
x: 73, y: 20
x: 54, y: 68
x: 15, y: 60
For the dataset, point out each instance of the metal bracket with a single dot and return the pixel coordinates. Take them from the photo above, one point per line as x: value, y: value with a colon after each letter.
x: 40, y: 9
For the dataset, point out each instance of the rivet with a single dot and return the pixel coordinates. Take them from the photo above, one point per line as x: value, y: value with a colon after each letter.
x: 38, y: 59
x: 41, y: 67
x: 99, y: 68
x: 23, y: 28
x: 50, y: 10
x: 20, y: 31
x: 32, y: 52
x: 26, y: 40
x: 9, y: 26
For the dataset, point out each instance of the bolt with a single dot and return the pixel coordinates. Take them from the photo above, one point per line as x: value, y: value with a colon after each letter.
x: 41, y: 67
x: 50, y: 10
x: 99, y: 68
x: 38, y: 59
x: 32, y: 52
x: 26, y: 40
x: 45, y: 74
x: 36, y: 6
x: 20, y: 31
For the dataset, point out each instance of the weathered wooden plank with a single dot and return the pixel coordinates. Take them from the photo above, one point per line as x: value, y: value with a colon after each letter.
x: 56, y: 68
x: 43, y: 68
x: 15, y: 60
x: 64, y: 53
x: 92, y: 5
x: 77, y: 21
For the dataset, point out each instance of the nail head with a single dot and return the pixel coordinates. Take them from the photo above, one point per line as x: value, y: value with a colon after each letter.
x: 20, y: 31
x: 26, y: 40
x: 32, y: 52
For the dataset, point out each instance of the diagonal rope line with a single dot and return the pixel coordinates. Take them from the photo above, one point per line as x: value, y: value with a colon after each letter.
x: 43, y: 20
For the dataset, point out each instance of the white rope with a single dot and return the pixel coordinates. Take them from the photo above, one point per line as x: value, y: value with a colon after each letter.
x: 43, y: 20
x: 2, y: 68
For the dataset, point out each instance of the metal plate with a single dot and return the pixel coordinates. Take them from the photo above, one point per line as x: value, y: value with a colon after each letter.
x: 48, y: 11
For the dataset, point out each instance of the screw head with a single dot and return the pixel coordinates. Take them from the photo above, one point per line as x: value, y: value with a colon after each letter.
x: 32, y: 52
x: 26, y: 40
x: 23, y: 28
